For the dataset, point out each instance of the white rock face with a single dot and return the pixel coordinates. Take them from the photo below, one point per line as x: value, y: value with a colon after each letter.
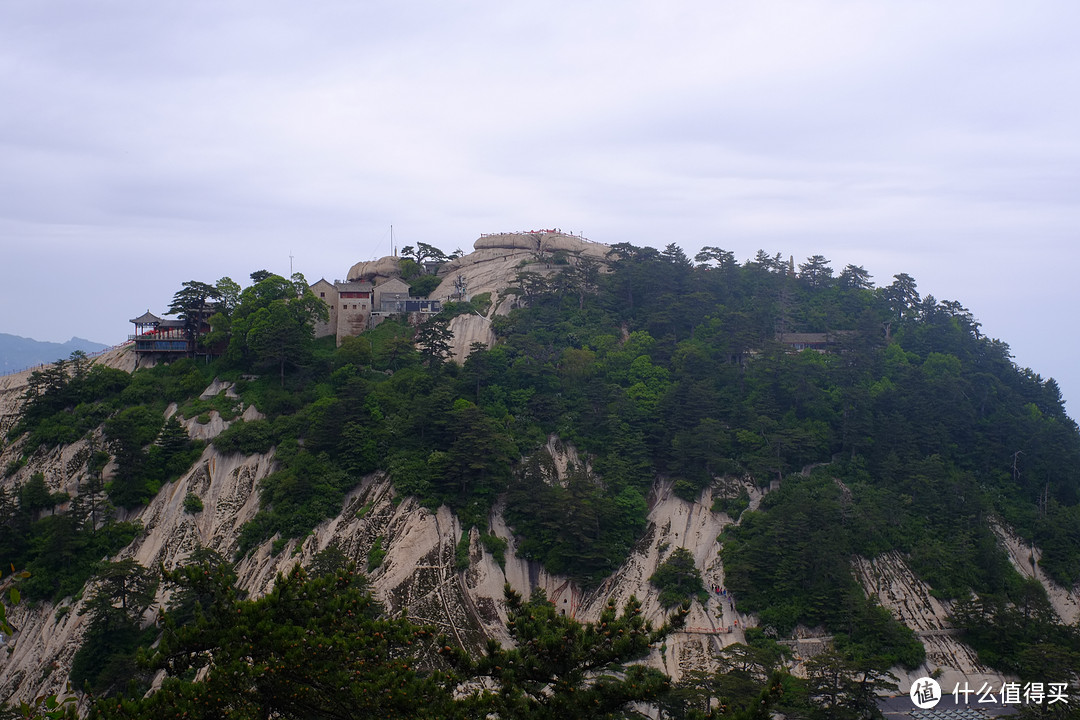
x: 49, y: 635
x: 11, y: 389
x: 675, y: 523
x: 896, y: 587
x: 1025, y: 558
x: 418, y: 573
x: 469, y: 329
x: 493, y: 266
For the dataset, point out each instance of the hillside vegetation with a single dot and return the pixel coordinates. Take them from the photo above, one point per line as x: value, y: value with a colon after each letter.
x: 909, y: 432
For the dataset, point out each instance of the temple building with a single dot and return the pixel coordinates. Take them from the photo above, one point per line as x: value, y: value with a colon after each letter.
x: 359, y: 304
x: 155, y: 335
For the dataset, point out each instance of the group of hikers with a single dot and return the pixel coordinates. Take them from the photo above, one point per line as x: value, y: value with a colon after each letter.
x: 723, y: 594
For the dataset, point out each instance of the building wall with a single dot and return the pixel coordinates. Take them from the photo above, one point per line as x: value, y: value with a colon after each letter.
x: 391, y: 288
x: 326, y: 292
x: 350, y: 316
x: 353, y: 307
x: 354, y: 315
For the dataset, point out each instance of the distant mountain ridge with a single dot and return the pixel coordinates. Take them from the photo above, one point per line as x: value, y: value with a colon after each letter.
x: 18, y: 353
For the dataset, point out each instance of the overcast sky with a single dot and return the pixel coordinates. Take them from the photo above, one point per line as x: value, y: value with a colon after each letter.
x: 145, y: 144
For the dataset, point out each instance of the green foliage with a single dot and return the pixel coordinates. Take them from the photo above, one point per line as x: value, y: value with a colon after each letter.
x: 733, y: 506
x: 67, y: 399
x: 44, y: 707
x: 461, y: 551
x: 496, y: 546
x: 71, y: 398
x: 410, y: 269
x: 14, y: 597
x: 679, y: 580
x: 62, y: 549
x: 477, y: 305
x: 273, y: 324
x: 434, y: 341
x: 844, y: 687
x: 355, y: 351
x: 560, y: 668
x: 105, y: 662
x: 921, y: 430
x: 1057, y: 534
x: 481, y: 302
x: 1020, y: 635
x: 581, y: 528
x: 748, y: 683
x: 791, y: 563
x: 424, y: 253
x: 56, y: 551
x: 391, y: 346
x: 318, y: 646
x: 329, y: 561
x: 312, y: 647
x: 165, y: 383
x: 424, y: 285
x: 227, y: 407
x: 192, y: 303
x: 192, y: 504
x: 149, y: 451
x: 294, y: 499
x: 34, y: 495
x: 376, y: 554
x: 14, y: 466
x: 248, y: 437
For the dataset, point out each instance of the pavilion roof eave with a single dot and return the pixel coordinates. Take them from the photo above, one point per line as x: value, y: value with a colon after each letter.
x: 147, y: 318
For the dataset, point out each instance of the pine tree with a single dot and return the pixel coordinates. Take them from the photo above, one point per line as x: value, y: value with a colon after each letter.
x: 123, y: 592
x: 311, y: 648
x: 434, y: 340
x: 191, y: 303
x: 560, y: 668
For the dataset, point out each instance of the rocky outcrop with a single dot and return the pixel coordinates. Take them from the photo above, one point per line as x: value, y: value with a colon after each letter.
x: 12, y: 388
x: 417, y: 576
x: 539, y: 242
x: 496, y: 260
x: 384, y: 267
x: 468, y: 330
x: 493, y: 266
x: 49, y: 635
x: 1025, y: 557
x: 490, y: 268
x: 889, y: 578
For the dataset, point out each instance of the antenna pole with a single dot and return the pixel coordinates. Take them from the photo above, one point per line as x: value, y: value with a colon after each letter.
x: 290, y: 265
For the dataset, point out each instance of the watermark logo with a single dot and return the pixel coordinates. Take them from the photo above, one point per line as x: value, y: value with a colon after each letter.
x: 1013, y: 693
x: 925, y: 693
